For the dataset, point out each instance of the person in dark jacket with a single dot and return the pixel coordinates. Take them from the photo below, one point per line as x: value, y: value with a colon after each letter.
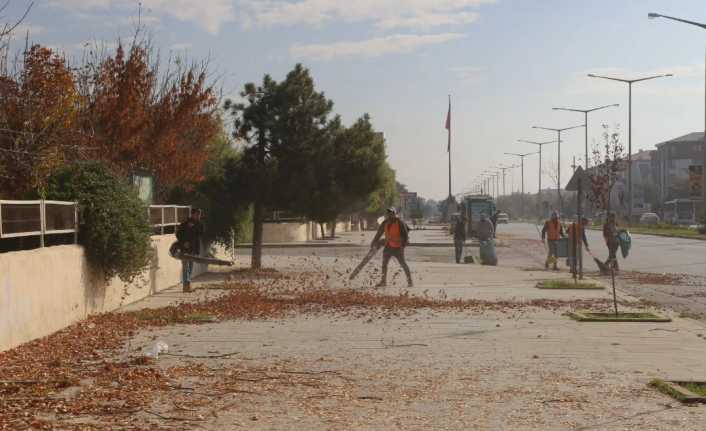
x: 396, y: 239
x: 494, y: 220
x: 459, y: 238
x: 189, y: 236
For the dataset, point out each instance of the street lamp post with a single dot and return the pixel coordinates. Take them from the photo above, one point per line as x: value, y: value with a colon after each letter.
x: 522, y: 165
x: 539, y: 192
x: 585, y: 113
x: 629, y: 82
x: 703, y: 26
x: 494, y: 176
x: 558, y: 165
x: 540, y: 145
x: 504, y: 170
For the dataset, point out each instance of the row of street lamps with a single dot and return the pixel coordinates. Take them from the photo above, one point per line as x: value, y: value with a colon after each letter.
x: 486, y: 176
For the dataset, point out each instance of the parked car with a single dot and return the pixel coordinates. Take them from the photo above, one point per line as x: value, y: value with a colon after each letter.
x: 503, y: 218
x: 649, y: 218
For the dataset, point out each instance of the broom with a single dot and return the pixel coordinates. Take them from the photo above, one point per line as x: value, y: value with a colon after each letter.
x: 605, y: 269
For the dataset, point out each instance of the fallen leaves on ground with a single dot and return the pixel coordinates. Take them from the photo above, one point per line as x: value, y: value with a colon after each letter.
x: 72, y: 379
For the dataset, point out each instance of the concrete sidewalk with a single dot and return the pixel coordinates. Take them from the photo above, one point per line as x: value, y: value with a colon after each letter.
x: 432, y: 237
x: 528, y: 368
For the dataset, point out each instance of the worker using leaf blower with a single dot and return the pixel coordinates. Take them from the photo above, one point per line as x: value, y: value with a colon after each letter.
x: 396, y: 239
x: 552, y: 232
x: 189, y: 237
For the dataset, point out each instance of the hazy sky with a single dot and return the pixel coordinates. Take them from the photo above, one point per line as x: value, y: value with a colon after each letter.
x: 506, y: 63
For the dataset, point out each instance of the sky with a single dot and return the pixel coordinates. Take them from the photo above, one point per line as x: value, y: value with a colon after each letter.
x: 505, y: 63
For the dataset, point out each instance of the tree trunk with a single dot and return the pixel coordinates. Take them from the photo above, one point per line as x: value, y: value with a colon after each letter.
x: 323, y: 230
x: 333, y: 229
x: 257, y: 235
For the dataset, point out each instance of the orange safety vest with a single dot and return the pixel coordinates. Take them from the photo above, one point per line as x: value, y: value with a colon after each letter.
x: 393, y: 234
x: 553, y: 230
x: 579, y: 229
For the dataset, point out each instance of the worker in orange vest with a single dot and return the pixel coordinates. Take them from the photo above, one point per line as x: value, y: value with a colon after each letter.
x: 396, y: 239
x: 552, y: 233
x: 575, y: 240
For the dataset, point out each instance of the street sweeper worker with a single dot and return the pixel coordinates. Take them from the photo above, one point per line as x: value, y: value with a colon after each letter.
x: 396, y: 239
x: 552, y: 233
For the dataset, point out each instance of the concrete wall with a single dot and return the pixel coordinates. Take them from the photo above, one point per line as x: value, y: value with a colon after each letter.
x: 274, y: 232
x: 287, y: 232
x: 45, y: 290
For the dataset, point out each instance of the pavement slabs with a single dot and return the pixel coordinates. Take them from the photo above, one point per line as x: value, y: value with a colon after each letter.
x: 528, y: 368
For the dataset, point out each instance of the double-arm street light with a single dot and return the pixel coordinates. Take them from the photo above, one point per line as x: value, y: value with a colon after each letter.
x: 558, y: 165
x: 585, y: 113
x: 504, y: 169
x: 540, y: 145
x: 522, y: 165
x: 703, y: 26
x: 629, y: 82
x: 494, y: 175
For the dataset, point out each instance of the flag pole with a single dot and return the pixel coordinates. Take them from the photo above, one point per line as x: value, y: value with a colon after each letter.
x: 448, y: 124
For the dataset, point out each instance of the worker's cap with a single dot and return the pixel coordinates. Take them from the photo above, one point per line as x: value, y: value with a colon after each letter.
x: 555, y: 214
x: 392, y: 211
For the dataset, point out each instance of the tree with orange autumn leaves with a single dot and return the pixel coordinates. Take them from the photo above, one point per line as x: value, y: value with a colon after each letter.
x: 120, y: 109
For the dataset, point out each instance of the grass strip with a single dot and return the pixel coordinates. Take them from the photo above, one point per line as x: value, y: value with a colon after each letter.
x: 568, y: 284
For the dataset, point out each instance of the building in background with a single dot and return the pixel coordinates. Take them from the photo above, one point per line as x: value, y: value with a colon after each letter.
x: 409, y: 205
x: 680, y: 163
x: 680, y: 177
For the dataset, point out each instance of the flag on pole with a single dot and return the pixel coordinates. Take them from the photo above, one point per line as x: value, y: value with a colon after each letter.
x: 448, y: 124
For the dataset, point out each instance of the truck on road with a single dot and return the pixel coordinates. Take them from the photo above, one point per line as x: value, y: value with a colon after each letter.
x: 473, y: 207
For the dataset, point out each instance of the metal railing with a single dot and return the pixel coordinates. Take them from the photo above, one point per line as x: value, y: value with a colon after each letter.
x: 162, y: 216
x: 38, y: 218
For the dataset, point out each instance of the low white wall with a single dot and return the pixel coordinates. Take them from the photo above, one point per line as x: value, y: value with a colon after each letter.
x: 287, y: 232
x: 274, y: 232
x: 45, y: 290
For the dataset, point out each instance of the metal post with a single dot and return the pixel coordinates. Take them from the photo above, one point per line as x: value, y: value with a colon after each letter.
x: 585, y: 161
x: 522, y: 162
x: 42, y: 223
x: 629, y: 152
x: 558, y: 172
x: 76, y: 223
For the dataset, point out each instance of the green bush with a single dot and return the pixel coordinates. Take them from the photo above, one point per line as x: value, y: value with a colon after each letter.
x: 114, y: 230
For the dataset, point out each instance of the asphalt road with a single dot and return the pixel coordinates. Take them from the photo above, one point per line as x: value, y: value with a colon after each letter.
x: 649, y: 253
